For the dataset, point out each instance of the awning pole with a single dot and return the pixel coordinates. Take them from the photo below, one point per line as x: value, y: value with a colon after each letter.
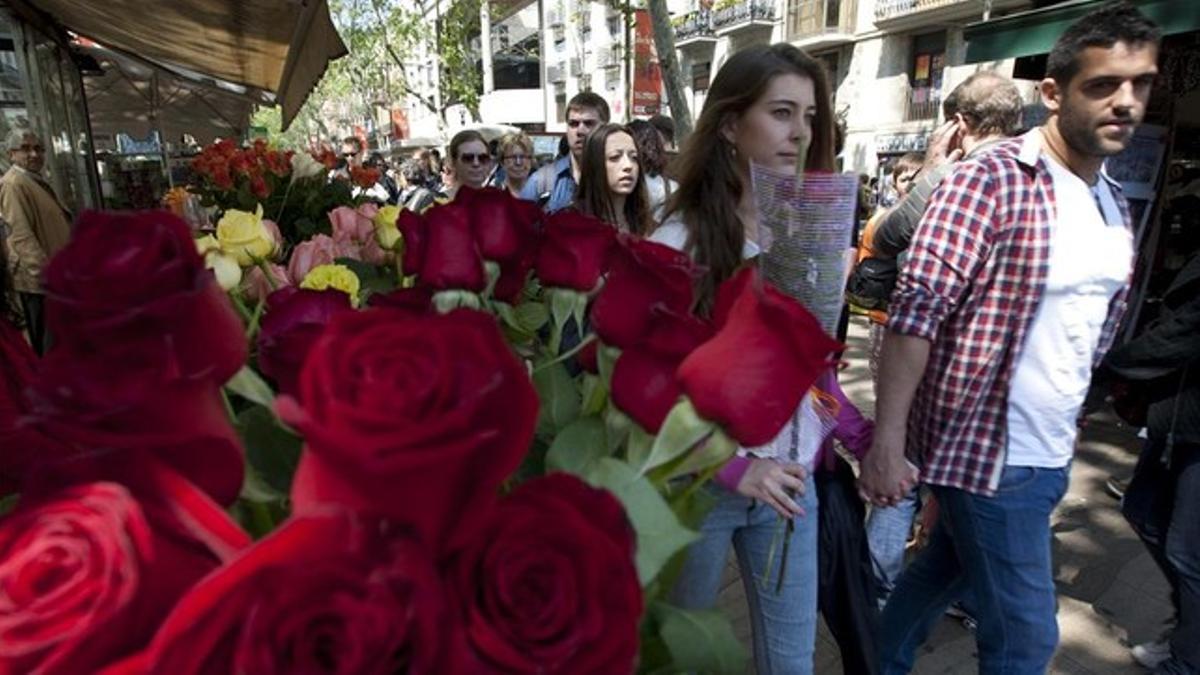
x: 157, y: 129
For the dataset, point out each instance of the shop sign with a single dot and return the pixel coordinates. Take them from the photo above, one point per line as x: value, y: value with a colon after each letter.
x: 647, y: 77
x: 895, y: 144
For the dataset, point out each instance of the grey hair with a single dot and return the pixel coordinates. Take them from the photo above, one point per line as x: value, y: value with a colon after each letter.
x: 16, y: 137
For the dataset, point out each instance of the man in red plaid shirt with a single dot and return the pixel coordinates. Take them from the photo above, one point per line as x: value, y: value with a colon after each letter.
x: 1014, y: 287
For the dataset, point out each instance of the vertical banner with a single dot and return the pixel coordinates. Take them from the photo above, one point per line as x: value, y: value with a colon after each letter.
x: 400, y: 128
x: 647, y: 78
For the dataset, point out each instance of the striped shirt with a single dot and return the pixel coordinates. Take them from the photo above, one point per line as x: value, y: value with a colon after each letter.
x: 972, y: 286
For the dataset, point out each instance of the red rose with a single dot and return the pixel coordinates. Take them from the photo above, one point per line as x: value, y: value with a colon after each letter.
x: 322, y: 594
x: 767, y: 352
x: 504, y: 225
x: 258, y: 186
x: 136, y: 279
x: 418, y: 299
x: 589, y: 358
x: 573, y: 250
x: 293, y: 321
x: 443, y: 252
x: 548, y: 585
x: 642, y: 275
x: 125, y: 399
x: 89, y: 571
x: 643, y: 380
x: 417, y: 417
x: 18, y: 363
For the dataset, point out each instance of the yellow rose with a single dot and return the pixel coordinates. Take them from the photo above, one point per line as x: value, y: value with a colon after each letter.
x: 340, y: 277
x: 385, y: 227
x: 207, y: 243
x: 226, y: 268
x: 243, y: 235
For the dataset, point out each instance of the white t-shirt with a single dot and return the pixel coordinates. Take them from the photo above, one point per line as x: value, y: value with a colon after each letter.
x: 1091, y: 253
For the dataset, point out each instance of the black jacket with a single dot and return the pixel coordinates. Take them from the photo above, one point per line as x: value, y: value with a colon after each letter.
x: 1165, y: 358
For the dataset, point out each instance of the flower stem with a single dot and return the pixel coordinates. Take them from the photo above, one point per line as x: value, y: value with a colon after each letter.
x: 567, y: 354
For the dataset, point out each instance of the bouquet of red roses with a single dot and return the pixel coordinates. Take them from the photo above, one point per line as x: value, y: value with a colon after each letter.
x: 483, y: 470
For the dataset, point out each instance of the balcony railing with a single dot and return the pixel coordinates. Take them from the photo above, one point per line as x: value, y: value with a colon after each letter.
x: 747, y: 11
x: 695, y: 25
x: 813, y: 18
x: 891, y: 9
x: 923, y: 104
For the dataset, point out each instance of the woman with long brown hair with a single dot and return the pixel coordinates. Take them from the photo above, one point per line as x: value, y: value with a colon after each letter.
x: 612, y: 185
x: 765, y: 104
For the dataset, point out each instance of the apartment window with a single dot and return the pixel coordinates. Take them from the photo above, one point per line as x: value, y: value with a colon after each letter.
x: 700, y: 75
x: 585, y: 82
x: 925, y: 76
x: 614, y: 25
x: 832, y: 63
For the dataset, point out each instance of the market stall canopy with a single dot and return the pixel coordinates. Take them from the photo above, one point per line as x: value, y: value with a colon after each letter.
x: 278, y: 46
x: 135, y: 98
x: 1034, y: 31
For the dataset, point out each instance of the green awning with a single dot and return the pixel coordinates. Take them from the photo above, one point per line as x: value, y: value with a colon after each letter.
x: 1035, y: 31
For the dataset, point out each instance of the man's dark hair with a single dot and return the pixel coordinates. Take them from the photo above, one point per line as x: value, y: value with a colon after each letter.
x: 665, y: 126
x: 590, y: 100
x: 1115, y: 22
x: 358, y: 144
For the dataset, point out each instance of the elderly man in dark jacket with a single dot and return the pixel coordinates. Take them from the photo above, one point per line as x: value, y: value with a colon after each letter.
x: 1162, y: 502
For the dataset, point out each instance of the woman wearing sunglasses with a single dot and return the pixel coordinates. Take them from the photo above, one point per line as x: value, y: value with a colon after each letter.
x: 470, y: 159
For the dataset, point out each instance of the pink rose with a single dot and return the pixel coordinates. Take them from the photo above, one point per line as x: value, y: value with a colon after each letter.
x: 276, y: 236
x: 255, y: 285
x: 320, y: 250
x: 354, y: 234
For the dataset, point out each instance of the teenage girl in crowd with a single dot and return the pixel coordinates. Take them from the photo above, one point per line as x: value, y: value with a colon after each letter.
x: 762, y: 103
x: 612, y: 186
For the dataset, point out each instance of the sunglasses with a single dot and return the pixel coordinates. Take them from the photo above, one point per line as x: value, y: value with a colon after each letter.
x: 475, y: 158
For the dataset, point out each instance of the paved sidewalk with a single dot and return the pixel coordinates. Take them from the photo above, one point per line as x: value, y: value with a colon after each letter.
x: 1110, y: 593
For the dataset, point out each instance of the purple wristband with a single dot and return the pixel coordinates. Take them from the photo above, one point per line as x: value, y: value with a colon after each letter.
x: 731, y: 474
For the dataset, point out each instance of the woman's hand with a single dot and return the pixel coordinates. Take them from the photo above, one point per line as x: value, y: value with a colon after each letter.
x: 769, y: 481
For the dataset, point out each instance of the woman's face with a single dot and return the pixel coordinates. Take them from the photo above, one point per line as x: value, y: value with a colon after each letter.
x: 472, y: 164
x: 769, y: 132
x: 621, y: 162
x: 517, y: 162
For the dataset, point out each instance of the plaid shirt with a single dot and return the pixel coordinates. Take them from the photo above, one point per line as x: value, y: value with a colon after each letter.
x: 972, y: 287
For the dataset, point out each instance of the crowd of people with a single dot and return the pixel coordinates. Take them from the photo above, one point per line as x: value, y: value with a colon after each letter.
x: 993, y: 285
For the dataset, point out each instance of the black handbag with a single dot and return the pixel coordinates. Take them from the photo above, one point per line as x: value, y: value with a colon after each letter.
x: 871, y: 283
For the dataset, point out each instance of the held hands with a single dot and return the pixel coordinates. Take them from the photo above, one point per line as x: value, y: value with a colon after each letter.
x: 886, y: 476
x: 769, y: 481
x: 943, y: 146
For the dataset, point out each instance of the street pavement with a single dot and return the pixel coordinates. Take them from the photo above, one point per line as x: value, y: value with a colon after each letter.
x: 1110, y: 593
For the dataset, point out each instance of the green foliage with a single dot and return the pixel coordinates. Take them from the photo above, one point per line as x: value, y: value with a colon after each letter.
x: 577, y: 447
x: 697, y: 640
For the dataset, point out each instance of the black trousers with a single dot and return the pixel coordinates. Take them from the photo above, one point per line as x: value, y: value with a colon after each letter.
x: 1162, y: 503
x: 33, y: 305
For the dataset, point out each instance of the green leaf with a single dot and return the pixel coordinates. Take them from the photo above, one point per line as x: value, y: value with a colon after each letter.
x: 255, y: 489
x: 659, y: 532
x: 606, y: 360
x: 595, y: 395
x: 577, y: 446
x: 531, y: 316
x: 699, y: 640
x: 559, y: 398
x: 250, y: 386
x: 683, y: 428
x: 271, y: 450
x: 640, y: 443
x: 714, y: 451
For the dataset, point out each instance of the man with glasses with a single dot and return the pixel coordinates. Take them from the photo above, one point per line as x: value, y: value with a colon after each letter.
x: 553, y: 186
x: 38, y: 226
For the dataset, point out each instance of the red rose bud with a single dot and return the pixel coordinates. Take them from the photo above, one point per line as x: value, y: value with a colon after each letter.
x: 503, y: 224
x: 418, y: 418
x: 324, y: 593
x: 293, y: 320
x: 573, y: 250
x: 136, y: 280
x: 751, y: 375
x: 547, y: 582
x: 412, y: 228
x: 588, y: 357
x: 418, y: 300
x: 643, y: 275
x: 91, y: 570
x: 450, y: 256
x: 643, y: 382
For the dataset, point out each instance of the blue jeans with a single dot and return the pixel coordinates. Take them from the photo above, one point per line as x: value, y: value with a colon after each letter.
x: 784, y: 624
x: 998, y: 548
x: 888, y: 528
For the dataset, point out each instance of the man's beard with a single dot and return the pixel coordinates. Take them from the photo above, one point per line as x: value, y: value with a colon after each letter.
x: 1084, y: 137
